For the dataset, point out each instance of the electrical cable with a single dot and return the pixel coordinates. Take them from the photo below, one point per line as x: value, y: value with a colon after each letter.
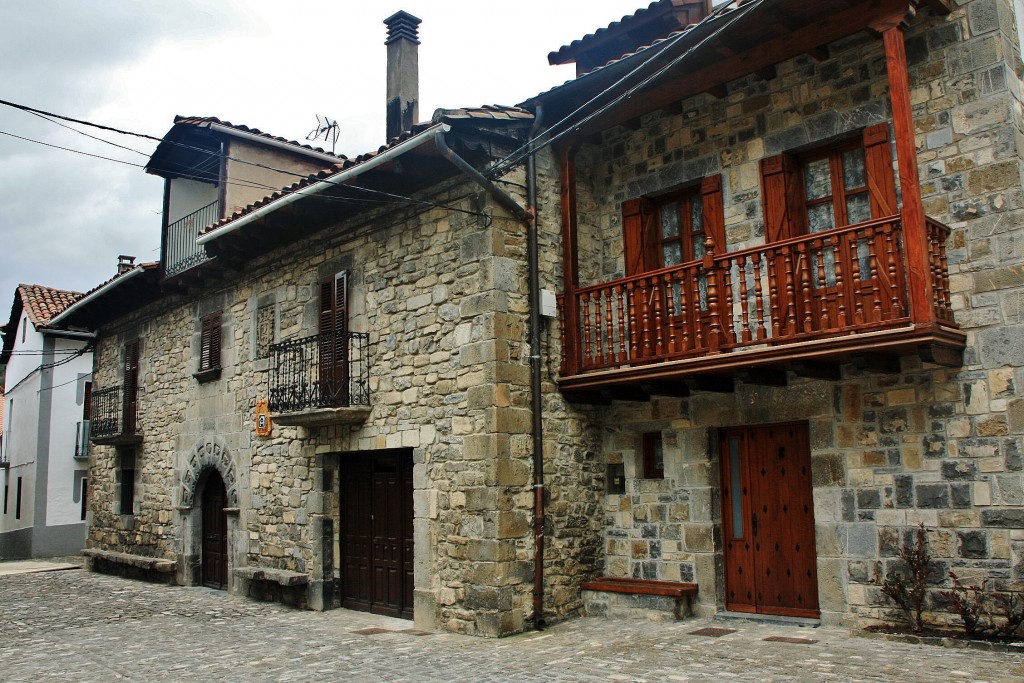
x: 515, y: 157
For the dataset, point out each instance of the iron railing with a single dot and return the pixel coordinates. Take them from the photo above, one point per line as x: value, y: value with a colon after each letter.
x: 323, y: 371
x: 112, y: 416
x: 181, y: 251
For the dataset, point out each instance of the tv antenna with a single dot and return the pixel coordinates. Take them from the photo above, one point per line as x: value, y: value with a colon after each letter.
x: 325, y: 128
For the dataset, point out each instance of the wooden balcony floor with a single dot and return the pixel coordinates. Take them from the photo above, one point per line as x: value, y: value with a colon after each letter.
x: 768, y: 364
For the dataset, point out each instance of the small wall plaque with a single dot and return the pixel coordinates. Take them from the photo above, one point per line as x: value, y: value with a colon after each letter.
x: 263, y: 424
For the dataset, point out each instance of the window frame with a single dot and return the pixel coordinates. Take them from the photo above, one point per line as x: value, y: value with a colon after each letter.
x: 126, y: 489
x: 651, y: 448
x: 685, y: 198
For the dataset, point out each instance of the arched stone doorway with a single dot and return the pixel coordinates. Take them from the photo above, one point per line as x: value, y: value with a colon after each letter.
x: 214, y: 553
x: 208, y: 465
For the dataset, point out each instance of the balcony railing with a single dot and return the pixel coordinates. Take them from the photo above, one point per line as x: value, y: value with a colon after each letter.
x: 181, y: 251
x: 111, y: 416
x: 323, y: 371
x: 838, y: 282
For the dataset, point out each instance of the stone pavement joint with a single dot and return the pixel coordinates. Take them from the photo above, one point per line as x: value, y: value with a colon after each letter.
x: 76, y: 625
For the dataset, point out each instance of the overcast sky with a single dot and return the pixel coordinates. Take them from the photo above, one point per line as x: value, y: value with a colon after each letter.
x: 65, y: 217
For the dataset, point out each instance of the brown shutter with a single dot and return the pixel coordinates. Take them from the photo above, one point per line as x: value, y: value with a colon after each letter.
x: 326, y: 311
x: 878, y: 165
x: 782, y: 197
x: 131, y: 386
x: 714, y: 211
x: 640, y: 243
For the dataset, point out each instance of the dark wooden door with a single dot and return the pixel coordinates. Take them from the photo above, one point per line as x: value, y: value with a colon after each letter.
x: 215, y: 533
x: 376, y: 532
x: 768, y: 521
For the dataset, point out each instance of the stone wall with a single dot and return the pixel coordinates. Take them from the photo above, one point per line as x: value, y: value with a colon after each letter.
x: 442, y: 295
x: 889, y: 450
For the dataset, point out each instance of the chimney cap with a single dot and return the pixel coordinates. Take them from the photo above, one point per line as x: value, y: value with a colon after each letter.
x: 400, y: 25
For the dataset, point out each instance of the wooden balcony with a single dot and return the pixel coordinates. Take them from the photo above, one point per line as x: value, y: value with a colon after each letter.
x: 805, y: 304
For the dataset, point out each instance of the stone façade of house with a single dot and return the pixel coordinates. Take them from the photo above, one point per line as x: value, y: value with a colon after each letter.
x: 870, y: 341
x: 708, y: 363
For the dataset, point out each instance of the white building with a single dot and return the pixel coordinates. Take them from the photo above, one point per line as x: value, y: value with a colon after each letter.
x: 44, y: 456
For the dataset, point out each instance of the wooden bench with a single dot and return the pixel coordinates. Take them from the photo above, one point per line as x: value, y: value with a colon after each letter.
x: 282, y: 577
x: 612, y: 596
x: 614, y: 584
x: 156, y: 564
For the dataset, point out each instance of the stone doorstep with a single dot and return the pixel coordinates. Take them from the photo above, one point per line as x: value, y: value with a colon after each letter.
x: 140, y: 561
x: 282, y: 577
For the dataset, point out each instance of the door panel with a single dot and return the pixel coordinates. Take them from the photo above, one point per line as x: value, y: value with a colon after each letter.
x: 768, y: 520
x: 215, y: 533
x: 376, y: 544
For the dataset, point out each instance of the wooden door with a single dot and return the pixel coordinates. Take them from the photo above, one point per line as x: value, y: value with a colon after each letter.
x: 376, y: 527
x: 768, y: 521
x: 215, y: 533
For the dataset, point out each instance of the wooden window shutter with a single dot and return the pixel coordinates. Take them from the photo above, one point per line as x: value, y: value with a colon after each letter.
x: 341, y: 302
x: 640, y: 243
x: 209, y: 343
x: 131, y: 369
x: 714, y: 211
x: 878, y: 167
x: 782, y: 198
x: 326, y: 310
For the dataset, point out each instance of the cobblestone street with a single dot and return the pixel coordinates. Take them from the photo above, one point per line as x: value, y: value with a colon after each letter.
x: 77, y: 626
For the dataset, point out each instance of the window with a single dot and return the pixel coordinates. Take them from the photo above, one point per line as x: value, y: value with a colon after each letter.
x: 17, y: 501
x: 127, y: 482
x: 653, y: 456
x: 672, y: 229
x: 85, y: 496
x: 843, y: 184
x: 7, y: 495
x: 333, y: 351
x: 209, y: 347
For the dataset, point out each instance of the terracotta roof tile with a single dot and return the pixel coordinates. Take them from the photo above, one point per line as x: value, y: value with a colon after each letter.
x: 213, y: 120
x: 615, y: 25
x: 487, y: 112
x: 42, y: 303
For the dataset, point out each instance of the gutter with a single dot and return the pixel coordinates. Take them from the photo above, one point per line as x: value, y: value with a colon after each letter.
x: 68, y: 334
x: 432, y: 133
x: 95, y: 295
x: 528, y: 217
x: 536, y: 405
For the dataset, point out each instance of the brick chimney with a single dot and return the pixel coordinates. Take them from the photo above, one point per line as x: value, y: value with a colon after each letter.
x: 124, y: 264
x: 403, y: 72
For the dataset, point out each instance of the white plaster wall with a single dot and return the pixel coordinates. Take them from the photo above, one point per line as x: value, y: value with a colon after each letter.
x: 21, y: 420
x: 188, y: 196
x: 66, y: 412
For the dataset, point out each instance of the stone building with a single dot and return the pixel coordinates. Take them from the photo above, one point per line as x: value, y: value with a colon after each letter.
x: 792, y: 277
x: 785, y: 237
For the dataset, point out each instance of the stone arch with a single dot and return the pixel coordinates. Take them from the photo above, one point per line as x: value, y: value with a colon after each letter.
x: 206, y: 456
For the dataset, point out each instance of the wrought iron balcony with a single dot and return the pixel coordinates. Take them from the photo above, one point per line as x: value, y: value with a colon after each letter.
x: 825, y: 294
x: 114, y: 419
x: 180, y: 249
x: 324, y: 371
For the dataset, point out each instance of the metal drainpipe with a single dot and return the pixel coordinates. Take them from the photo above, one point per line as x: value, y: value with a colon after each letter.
x: 529, y: 219
x: 533, y: 265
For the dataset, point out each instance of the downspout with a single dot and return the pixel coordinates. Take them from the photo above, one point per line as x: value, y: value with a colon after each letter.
x: 533, y: 264
x: 529, y: 219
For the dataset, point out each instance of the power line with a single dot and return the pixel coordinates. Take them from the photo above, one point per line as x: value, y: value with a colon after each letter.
x: 533, y: 146
x: 240, y: 183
